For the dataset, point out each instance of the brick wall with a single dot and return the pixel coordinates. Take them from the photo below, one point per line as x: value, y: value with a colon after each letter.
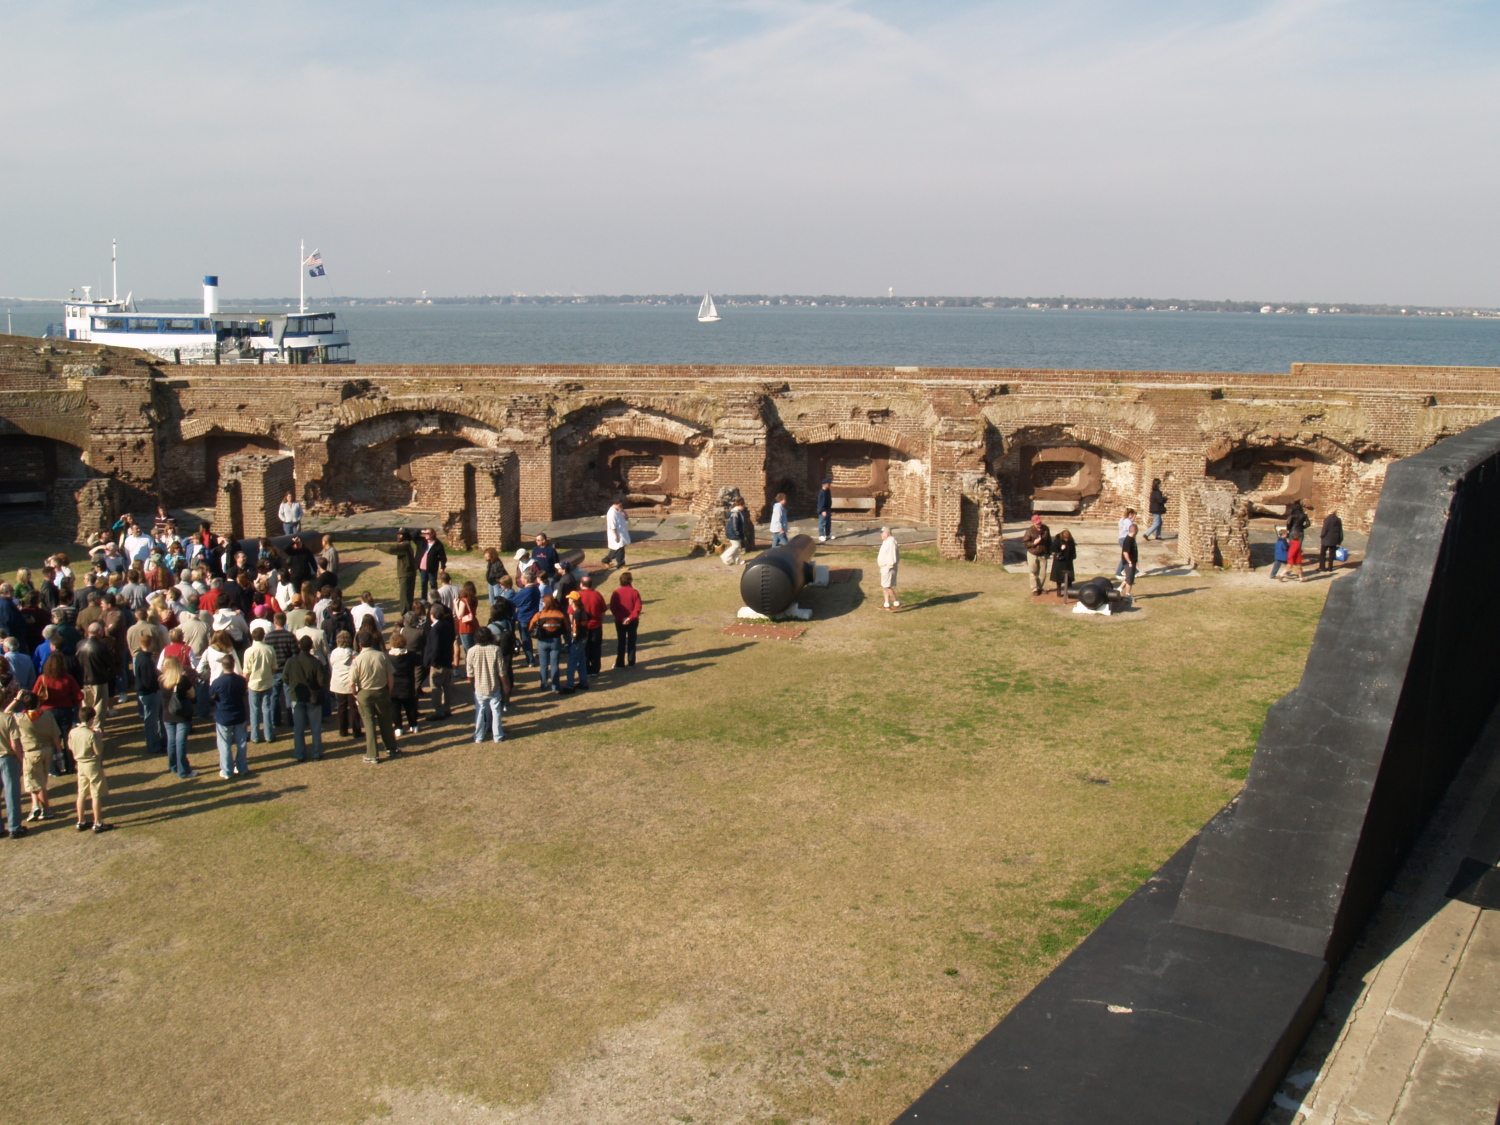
x: 251, y: 488
x: 156, y: 427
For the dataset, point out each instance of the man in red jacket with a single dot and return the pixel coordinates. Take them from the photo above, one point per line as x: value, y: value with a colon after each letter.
x: 591, y: 602
x: 625, y: 605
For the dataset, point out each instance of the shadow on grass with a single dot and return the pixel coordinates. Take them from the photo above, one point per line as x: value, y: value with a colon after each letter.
x: 585, y: 716
x: 941, y: 599
x: 834, y: 600
x: 1171, y: 593
x: 191, y: 796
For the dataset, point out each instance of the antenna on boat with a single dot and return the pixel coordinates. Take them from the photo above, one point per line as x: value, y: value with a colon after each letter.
x: 302, y: 277
x: 114, y: 273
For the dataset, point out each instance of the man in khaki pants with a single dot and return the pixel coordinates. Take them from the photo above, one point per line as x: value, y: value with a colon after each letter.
x: 1038, y: 544
x: 371, y: 677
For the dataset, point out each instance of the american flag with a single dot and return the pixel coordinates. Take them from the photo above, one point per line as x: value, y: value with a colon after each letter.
x: 314, y: 264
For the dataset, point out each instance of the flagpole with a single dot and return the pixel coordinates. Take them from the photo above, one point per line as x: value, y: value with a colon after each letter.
x: 302, y: 279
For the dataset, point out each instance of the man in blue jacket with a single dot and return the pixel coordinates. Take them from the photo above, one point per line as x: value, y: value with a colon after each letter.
x: 528, y: 600
x: 825, y: 510
x: 230, y: 697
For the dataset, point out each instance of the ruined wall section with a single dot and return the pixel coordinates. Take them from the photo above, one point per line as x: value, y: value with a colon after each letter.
x: 936, y: 445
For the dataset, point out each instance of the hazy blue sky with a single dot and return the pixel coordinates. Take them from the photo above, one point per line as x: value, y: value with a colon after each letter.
x: 1283, y: 149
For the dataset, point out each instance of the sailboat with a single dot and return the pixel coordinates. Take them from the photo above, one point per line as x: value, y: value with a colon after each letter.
x: 707, y: 314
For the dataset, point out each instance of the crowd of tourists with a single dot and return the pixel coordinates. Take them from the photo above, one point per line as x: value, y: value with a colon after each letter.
x: 154, y: 633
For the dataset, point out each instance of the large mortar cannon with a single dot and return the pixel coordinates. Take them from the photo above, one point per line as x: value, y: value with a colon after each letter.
x: 1095, y: 593
x: 772, y: 582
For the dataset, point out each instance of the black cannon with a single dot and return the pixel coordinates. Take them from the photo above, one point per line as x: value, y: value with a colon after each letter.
x: 1095, y: 593
x: 773, y: 581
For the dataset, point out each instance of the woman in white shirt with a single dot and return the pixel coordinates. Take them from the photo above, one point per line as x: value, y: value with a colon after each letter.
x: 340, y: 660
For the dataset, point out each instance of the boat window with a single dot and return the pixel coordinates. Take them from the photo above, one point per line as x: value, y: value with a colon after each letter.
x: 205, y: 326
x: 145, y: 324
x: 109, y: 324
x: 180, y: 325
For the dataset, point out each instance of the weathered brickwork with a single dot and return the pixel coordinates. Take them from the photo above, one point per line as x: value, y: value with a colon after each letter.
x: 251, y: 488
x: 962, y: 449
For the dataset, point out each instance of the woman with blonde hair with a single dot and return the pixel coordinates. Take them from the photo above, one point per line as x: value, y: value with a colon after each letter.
x: 23, y: 585
x: 179, y: 702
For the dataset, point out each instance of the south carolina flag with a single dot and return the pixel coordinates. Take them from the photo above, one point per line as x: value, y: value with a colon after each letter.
x: 314, y: 264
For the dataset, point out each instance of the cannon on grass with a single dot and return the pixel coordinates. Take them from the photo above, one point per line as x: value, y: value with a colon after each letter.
x: 1095, y: 593
x: 771, y: 583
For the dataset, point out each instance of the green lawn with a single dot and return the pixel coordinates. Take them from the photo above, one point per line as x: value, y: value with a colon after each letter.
x: 748, y: 881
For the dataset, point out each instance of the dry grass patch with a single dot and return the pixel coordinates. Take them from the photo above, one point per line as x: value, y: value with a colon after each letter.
x: 742, y: 882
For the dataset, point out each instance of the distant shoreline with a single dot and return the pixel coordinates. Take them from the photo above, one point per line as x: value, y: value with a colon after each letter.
x: 742, y: 300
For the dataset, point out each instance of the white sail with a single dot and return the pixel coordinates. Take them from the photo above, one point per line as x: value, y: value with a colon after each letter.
x: 706, y: 311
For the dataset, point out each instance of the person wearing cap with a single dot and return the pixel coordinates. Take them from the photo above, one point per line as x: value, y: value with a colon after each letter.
x: 616, y: 534
x: 825, y: 510
x: 888, y: 560
x: 576, y: 638
x: 406, y: 566
x: 1038, y: 543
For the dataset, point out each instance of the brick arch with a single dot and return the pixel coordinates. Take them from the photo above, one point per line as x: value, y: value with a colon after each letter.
x: 1126, y: 444
x: 389, y: 425
x: 820, y: 433
x: 1320, y: 446
x: 617, y: 418
x: 68, y: 427
x: 592, y: 443
x: 485, y: 412
x: 394, y: 456
x: 191, y: 429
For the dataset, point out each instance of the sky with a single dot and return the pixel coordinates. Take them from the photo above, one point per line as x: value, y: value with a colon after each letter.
x: 1321, y: 150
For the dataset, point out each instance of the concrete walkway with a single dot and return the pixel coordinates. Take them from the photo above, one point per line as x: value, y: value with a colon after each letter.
x: 1410, y: 1032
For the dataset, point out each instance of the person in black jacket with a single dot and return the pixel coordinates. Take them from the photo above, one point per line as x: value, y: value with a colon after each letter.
x: 1329, y: 540
x: 437, y: 660
x: 1296, y: 521
x: 734, y: 533
x: 1064, y: 555
x: 148, y: 693
x: 336, y: 620
x: 404, y: 665
x: 825, y: 510
x: 301, y: 563
x: 1157, y: 506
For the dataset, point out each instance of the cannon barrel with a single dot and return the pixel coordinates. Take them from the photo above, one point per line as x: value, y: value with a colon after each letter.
x: 1095, y: 592
x: 773, y: 581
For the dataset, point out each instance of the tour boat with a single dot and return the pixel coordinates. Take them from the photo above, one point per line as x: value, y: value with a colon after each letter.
x: 707, y: 314
x: 212, y: 336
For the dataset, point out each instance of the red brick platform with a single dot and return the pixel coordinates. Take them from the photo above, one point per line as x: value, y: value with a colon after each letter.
x: 842, y: 574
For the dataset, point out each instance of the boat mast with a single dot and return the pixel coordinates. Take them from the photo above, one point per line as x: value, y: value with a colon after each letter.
x: 302, y: 278
x: 114, y: 273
